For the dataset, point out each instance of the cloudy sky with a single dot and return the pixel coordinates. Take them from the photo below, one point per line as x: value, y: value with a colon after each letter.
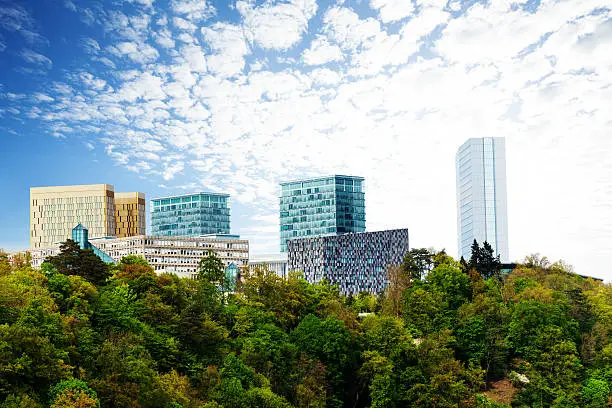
x: 234, y: 96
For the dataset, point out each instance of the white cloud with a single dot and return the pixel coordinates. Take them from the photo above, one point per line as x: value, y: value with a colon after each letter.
x: 164, y: 38
x: 321, y: 52
x: 41, y: 97
x: 277, y: 25
x: 70, y: 5
x: 141, y: 53
x: 392, y: 10
x: 344, y: 27
x: 194, y: 57
x: 229, y: 46
x: 90, y: 46
x: 389, y: 98
x: 183, y: 24
x: 192, y: 9
x: 171, y: 170
x: 35, y: 58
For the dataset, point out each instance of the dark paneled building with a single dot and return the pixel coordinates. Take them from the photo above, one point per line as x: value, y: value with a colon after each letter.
x: 356, y: 262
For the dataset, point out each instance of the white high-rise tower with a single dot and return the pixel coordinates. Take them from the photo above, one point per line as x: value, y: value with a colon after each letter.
x: 482, y: 212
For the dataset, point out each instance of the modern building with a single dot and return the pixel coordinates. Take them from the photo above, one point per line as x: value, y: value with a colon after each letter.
x: 79, y: 234
x: 321, y: 206
x: 54, y: 211
x: 130, y: 214
x: 179, y: 255
x: 482, y: 213
x: 356, y: 262
x: 190, y: 215
x: 276, y: 263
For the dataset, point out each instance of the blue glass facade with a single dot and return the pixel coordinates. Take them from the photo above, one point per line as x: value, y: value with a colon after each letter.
x: 321, y: 206
x: 482, y: 213
x: 190, y: 215
x: 80, y: 235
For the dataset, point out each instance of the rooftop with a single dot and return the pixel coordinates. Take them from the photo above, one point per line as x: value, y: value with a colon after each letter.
x: 191, y: 195
x: 321, y: 178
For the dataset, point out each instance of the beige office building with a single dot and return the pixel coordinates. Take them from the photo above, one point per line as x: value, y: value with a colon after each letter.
x: 55, y: 211
x: 130, y: 215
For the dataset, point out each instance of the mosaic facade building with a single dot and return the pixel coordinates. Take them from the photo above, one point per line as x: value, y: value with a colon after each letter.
x: 321, y: 206
x: 482, y: 210
x: 190, y: 215
x: 356, y: 262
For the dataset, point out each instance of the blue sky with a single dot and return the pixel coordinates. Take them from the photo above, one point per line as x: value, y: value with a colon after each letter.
x: 169, y: 96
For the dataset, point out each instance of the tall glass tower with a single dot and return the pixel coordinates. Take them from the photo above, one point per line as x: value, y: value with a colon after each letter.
x: 321, y: 206
x: 481, y: 195
x: 190, y: 215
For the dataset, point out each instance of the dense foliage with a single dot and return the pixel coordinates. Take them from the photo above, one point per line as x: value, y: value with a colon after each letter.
x: 445, y: 334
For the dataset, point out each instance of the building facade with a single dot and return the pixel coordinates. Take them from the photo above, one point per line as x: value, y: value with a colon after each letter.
x: 482, y: 213
x: 54, y: 211
x: 321, y: 206
x: 178, y: 255
x: 356, y: 262
x: 190, y: 215
x: 276, y: 263
x: 130, y: 214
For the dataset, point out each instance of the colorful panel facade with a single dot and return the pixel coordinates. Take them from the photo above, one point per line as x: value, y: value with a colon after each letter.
x: 321, y: 206
x: 356, y: 262
x: 130, y: 214
x: 190, y: 215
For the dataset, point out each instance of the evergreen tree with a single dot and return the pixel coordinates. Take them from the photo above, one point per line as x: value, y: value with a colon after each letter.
x: 484, y: 261
x: 72, y: 260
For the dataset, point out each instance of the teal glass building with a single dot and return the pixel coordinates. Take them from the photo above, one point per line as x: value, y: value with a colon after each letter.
x: 190, y: 215
x: 321, y: 206
x: 80, y: 235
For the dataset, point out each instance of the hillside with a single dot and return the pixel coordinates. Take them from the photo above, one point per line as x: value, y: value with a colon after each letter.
x: 78, y: 333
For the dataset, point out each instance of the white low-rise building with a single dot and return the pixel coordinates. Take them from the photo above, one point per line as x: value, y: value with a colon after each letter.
x: 179, y: 255
x: 276, y: 263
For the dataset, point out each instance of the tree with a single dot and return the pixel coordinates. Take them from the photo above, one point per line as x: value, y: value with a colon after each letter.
x: 73, y: 394
x: 5, y: 265
x: 211, y: 269
x: 484, y: 261
x: 417, y: 263
x: 399, y: 281
x: 72, y: 260
x: 329, y: 342
x: 595, y: 393
x: 536, y: 261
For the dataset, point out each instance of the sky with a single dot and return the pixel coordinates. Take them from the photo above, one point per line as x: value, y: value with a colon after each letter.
x: 173, y: 96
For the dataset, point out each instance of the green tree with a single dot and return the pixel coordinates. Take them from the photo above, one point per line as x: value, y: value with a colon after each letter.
x: 73, y: 394
x: 328, y: 341
x: 72, y: 260
x: 211, y: 269
x: 484, y: 261
x: 595, y: 393
x: 417, y: 263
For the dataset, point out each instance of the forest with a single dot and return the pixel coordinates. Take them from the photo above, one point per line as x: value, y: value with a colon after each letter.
x: 445, y: 333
